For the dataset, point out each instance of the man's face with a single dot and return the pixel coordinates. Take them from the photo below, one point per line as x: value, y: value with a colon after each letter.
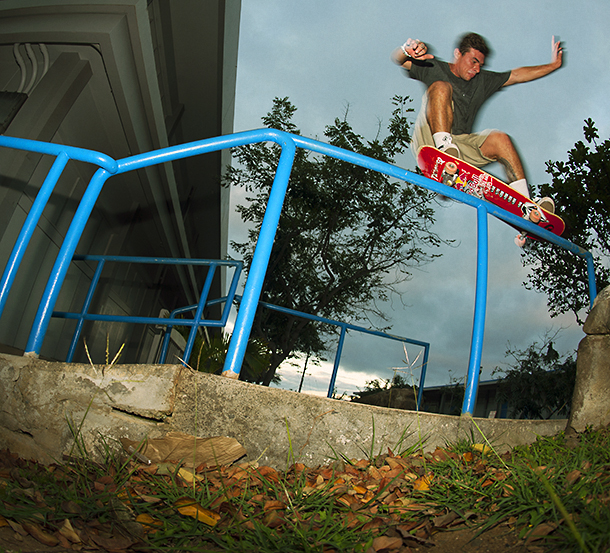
x: 466, y: 66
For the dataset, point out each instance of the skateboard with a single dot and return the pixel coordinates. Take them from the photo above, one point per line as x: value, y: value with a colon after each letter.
x: 454, y: 172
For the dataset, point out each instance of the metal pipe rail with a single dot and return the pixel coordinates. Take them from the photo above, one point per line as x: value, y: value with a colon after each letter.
x: 254, y: 283
x: 344, y: 327
x: 197, y: 321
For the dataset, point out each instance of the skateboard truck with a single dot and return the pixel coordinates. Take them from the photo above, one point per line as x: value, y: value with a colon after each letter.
x: 449, y: 175
x: 521, y: 239
x: 533, y: 215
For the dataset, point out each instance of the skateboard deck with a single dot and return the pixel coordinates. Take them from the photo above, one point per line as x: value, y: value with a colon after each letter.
x: 454, y: 172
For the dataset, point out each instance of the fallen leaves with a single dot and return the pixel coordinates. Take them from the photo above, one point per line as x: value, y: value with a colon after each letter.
x: 188, y: 507
x: 391, y: 503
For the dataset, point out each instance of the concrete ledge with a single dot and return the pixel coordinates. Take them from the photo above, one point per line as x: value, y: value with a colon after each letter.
x: 41, y: 400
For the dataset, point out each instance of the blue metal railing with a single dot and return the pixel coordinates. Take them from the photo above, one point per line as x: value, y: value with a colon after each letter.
x: 344, y: 328
x: 197, y: 321
x: 254, y: 283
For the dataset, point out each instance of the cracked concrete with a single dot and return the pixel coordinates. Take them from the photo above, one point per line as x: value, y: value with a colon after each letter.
x: 45, y: 404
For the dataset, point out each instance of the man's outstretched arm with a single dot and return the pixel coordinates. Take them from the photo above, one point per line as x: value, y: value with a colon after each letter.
x: 409, y: 51
x: 525, y: 74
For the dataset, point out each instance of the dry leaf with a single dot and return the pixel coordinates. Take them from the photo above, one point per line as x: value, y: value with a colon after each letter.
x: 274, y: 505
x: 188, y: 507
x: 482, y: 448
x: 440, y: 454
x: 189, y: 450
x: 270, y: 473
x: 541, y: 531
x: 17, y: 527
x: 39, y: 534
x: 573, y: 476
x: 274, y: 519
x: 383, y: 542
x: 359, y: 489
x: 148, y: 522
x: 188, y: 475
x: 68, y: 532
x: 445, y: 520
x: 422, y: 484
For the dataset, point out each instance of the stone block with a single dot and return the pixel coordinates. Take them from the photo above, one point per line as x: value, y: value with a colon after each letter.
x: 591, y: 399
x: 598, y: 320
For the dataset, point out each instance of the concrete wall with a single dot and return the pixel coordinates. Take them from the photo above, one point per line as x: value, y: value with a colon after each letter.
x: 39, y: 399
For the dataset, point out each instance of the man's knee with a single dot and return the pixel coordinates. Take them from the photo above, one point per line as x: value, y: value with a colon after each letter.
x: 440, y: 89
x: 496, y: 145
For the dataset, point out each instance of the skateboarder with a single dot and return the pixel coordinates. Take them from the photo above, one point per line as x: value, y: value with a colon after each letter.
x: 455, y: 93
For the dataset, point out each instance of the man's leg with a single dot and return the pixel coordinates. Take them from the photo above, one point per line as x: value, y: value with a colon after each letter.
x: 439, y: 114
x: 499, y: 147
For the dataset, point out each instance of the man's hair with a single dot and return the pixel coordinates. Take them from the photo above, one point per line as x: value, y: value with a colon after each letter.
x: 475, y: 41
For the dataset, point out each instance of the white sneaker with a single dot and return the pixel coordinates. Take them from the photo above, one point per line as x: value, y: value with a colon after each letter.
x: 546, y: 203
x: 444, y: 143
x: 451, y: 149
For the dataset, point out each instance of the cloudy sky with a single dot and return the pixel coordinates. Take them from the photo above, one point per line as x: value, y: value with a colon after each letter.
x: 327, y: 55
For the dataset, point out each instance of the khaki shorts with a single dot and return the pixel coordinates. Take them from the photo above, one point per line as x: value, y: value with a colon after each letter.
x: 468, y: 144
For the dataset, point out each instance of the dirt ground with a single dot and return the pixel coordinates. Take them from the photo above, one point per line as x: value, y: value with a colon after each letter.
x: 462, y: 540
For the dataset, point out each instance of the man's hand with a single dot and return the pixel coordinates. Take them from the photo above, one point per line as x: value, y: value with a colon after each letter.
x: 411, y: 50
x: 416, y: 49
x: 557, y: 53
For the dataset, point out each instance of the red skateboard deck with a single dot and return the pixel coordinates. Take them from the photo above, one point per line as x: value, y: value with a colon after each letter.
x: 454, y: 172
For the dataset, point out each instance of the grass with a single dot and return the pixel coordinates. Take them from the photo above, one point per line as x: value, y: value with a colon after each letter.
x: 553, y: 495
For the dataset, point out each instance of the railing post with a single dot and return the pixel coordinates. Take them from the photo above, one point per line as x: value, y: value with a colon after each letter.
x: 199, y: 312
x: 85, y: 309
x: 480, y: 305
x: 422, y: 377
x: 60, y: 268
x: 30, y: 225
x: 260, y: 262
x: 333, y: 377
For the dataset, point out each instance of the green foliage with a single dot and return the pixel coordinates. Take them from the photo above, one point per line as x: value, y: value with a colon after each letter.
x: 346, y: 235
x: 540, y: 383
x: 209, y: 356
x: 377, y: 385
x: 581, y: 189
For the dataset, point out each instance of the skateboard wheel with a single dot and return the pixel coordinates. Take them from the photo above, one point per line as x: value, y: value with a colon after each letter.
x: 520, y: 240
x: 535, y: 216
x: 450, y: 168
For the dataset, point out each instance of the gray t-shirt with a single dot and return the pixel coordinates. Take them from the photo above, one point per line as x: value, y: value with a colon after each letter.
x: 468, y: 96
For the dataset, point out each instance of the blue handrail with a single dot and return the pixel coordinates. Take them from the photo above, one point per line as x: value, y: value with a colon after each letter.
x: 316, y: 318
x: 197, y: 321
x: 253, y: 286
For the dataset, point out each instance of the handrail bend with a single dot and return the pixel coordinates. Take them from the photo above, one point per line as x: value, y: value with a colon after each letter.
x: 254, y: 283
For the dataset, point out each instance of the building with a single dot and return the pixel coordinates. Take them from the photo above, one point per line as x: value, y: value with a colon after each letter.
x: 120, y: 77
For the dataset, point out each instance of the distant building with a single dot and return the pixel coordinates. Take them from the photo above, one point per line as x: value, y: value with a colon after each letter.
x: 121, y: 77
x: 447, y: 400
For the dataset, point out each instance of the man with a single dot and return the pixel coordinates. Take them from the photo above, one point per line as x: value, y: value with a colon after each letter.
x: 455, y: 93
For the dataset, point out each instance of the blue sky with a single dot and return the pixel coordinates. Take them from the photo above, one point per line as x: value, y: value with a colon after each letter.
x: 326, y: 56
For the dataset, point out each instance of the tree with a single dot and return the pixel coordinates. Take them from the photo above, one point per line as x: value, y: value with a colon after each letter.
x: 346, y: 235
x: 540, y: 383
x: 210, y: 351
x: 581, y: 189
